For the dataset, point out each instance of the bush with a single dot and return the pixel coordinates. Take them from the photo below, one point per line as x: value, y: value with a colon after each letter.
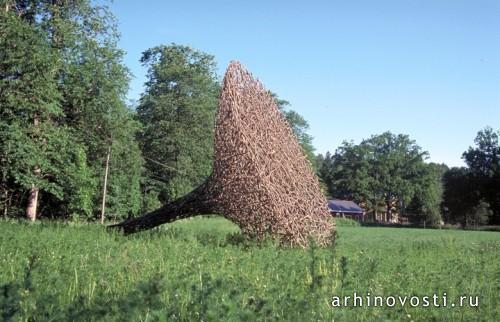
x: 346, y: 222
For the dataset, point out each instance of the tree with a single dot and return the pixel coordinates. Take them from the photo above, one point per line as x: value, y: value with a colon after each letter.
x: 386, y: 172
x: 346, y: 176
x: 177, y: 113
x: 484, y: 166
x: 89, y: 81
x: 427, y: 199
x: 36, y: 157
x: 484, y: 159
x: 480, y: 214
x: 460, y: 195
x: 93, y: 81
x: 125, y: 167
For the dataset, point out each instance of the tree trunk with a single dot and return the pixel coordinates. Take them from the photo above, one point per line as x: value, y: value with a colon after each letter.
x: 193, y: 204
x: 104, y: 189
x: 32, y: 203
x: 389, y: 210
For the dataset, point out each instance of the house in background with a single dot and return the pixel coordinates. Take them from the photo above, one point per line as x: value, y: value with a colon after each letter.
x: 346, y: 209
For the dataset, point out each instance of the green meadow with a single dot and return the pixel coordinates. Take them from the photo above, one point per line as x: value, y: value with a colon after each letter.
x: 203, y: 269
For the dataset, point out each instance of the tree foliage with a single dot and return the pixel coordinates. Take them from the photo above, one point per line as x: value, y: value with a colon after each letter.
x: 387, y: 173
x: 30, y: 134
x: 177, y: 113
x: 484, y: 164
x: 472, y: 194
x: 62, y: 96
x: 63, y: 87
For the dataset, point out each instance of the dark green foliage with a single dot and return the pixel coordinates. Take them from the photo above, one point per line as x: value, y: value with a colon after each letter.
x: 93, y: 82
x: 385, y: 173
x: 472, y: 194
x: 462, y: 200
x: 460, y: 195
x: 480, y: 214
x: 61, y: 272
x: 31, y: 135
x: 126, y: 168
x: 62, y: 92
x: 484, y: 159
x: 177, y: 113
x: 425, y: 205
x: 484, y: 166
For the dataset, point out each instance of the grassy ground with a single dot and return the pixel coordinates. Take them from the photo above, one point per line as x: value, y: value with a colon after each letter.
x: 203, y: 269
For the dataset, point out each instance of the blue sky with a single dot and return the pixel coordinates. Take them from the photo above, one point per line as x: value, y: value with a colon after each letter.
x: 427, y: 68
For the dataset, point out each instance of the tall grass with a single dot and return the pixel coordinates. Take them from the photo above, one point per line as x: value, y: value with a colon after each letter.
x: 203, y: 269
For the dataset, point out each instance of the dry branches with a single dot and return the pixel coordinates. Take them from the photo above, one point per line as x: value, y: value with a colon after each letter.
x: 261, y: 179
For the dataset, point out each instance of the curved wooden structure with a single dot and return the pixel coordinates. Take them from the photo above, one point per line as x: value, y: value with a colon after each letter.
x: 261, y: 179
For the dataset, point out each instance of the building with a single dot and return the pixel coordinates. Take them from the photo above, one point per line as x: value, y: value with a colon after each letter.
x: 346, y: 209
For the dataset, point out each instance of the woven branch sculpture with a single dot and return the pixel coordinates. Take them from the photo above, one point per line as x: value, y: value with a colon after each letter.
x: 261, y: 179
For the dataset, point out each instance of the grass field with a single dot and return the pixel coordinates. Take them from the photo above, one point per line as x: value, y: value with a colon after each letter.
x: 203, y: 269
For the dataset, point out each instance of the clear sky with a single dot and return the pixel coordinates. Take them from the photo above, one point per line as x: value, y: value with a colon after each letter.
x: 427, y: 68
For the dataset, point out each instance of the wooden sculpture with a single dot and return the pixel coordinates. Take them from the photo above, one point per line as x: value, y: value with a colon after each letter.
x: 261, y: 179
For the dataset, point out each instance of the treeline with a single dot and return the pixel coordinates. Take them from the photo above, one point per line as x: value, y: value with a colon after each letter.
x: 472, y: 194
x: 70, y: 146
x: 62, y: 98
x: 387, y: 174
